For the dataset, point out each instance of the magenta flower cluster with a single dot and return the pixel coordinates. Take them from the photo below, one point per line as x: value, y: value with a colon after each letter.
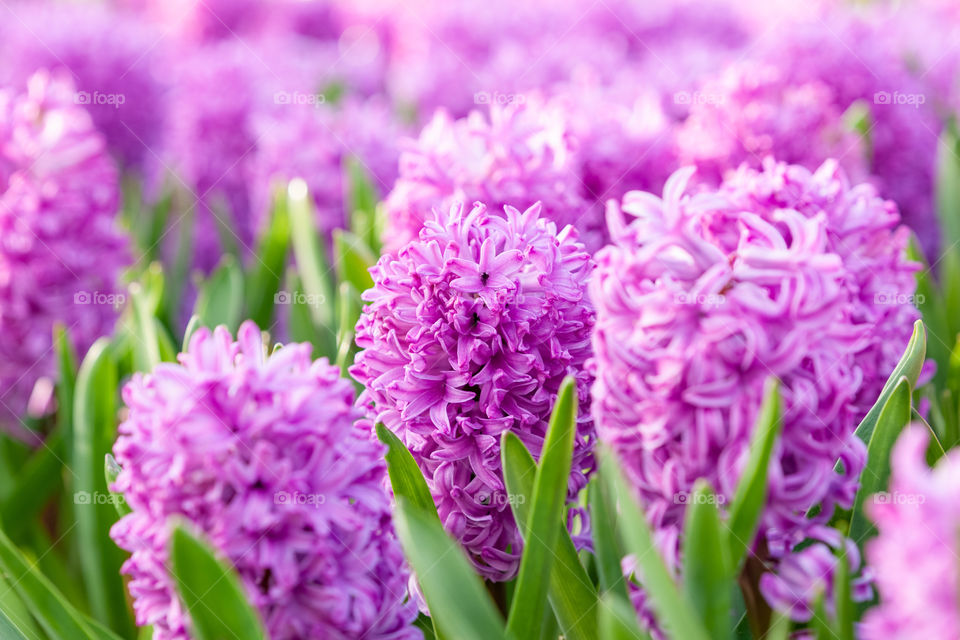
x: 915, y: 555
x: 703, y: 296
x: 519, y: 154
x: 263, y: 456
x: 61, y: 252
x: 468, y: 333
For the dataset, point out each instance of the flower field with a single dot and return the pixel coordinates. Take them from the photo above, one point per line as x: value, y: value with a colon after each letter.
x: 462, y: 320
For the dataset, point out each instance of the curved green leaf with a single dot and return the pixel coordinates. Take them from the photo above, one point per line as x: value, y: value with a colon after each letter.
x: 541, y: 530
x: 220, y: 299
x: 572, y: 594
x: 707, y: 571
x: 94, y: 430
x: 893, y: 417
x: 751, y: 493
x: 211, y: 591
x: 674, y: 610
x: 618, y: 620
x: 910, y: 365
x: 460, y: 606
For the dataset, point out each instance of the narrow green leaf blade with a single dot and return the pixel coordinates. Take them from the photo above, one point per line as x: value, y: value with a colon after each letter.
x: 51, y: 610
x: 111, y: 469
x: 910, y: 365
x: 606, y: 546
x: 876, y: 474
x: 707, y: 571
x: 673, y: 610
x: 405, y: 476
x: 211, y: 591
x: 618, y: 620
x: 572, y: 594
x: 751, y: 493
x: 460, y: 606
x: 843, y: 598
x: 265, y: 277
x: 94, y: 429
x: 353, y: 259
x: 220, y: 299
x: 546, y: 515
x: 310, y: 254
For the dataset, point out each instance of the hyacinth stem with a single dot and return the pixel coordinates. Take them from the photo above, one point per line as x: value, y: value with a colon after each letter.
x: 498, y: 592
x: 759, y: 613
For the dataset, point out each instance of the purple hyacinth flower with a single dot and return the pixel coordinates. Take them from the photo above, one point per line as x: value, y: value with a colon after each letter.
x: 264, y: 457
x: 62, y: 253
x: 702, y: 297
x: 914, y: 557
x: 468, y: 333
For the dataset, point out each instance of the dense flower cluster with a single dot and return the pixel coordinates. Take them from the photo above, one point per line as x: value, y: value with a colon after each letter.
x: 751, y: 111
x: 468, y: 333
x: 260, y: 118
x: 780, y: 272
x: 61, y: 253
x: 113, y: 60
x: 863, y: 71
x: 914, y: 556
x: 263, y: 456
x: 521, y: 154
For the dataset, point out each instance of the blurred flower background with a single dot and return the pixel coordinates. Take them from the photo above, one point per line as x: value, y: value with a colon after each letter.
x: 276, y: 224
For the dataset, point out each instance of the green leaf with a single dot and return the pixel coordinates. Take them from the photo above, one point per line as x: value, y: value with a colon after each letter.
x: 876, y: 474
x: 350, y: 309
x: 751, y: 493
x: 264, y: 281
x: 66, y: 378
x: 948, y: 186
x: 707, y: 570
x: 353, y: 260
x: 910, y: 365
x: 843, y: 595
x: 57, y: 617
x: 364, y: 222
x: 673, y: 609
x: 311, y: 258
x: 407, y: 482
x: 15, y: 614
x: 220, y: 299
x: 9, y: 630
x: 36, y: 483
x: 605, y: 544
x: 572, y: 594
x: 820, y: 623
x: 618, y: 620
x: 146, y: 342
x: 541, y: 531
x: 94, y: 430
x: 180, y: 271
x: 405, y: 476
x: 211, y: 591
x: 779, y: 627
x: 460, y: 606
x: 111, y: 469
x: 192, y: 327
